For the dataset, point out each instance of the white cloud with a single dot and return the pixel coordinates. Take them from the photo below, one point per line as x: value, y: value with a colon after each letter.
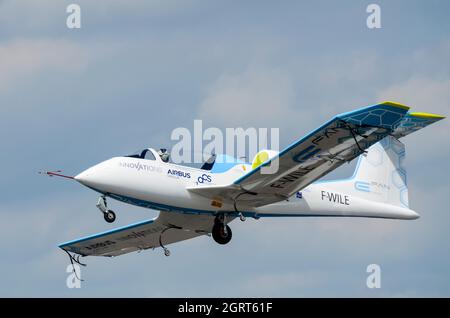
x: 424, y: 94
x: 20, y: 15
x: 152, y: 8
x: 257, y: 96
x: 274, y: 284
x: 356, y: 67
x: 27, y: 58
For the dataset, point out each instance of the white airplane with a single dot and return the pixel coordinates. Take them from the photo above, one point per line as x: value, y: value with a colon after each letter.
x: 194, y: 202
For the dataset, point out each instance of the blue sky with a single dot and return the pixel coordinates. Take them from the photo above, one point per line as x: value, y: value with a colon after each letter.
x: 138, y: 69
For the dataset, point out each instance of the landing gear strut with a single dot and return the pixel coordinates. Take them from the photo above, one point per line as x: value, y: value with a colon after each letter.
x: 221, y: 232
x: 108, y: 215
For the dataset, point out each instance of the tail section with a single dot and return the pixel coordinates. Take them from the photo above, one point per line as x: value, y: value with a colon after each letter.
x: 380, y: 175
x: 378, y: 187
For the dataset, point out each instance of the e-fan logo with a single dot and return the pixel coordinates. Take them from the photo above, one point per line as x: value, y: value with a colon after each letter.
x: 362, y: 186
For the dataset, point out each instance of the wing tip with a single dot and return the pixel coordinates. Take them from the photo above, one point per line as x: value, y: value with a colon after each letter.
x: 413, y: 114
x: 427, y: 115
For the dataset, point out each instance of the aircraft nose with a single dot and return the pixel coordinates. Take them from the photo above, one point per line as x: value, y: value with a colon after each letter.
x: 86, y: 177
x: 98, y: 177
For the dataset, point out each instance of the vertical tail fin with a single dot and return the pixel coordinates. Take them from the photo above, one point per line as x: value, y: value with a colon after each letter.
x: 380, y: 175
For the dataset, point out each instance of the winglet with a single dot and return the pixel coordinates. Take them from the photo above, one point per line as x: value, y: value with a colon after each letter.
x: 395, y: 104
x: 426, y: 115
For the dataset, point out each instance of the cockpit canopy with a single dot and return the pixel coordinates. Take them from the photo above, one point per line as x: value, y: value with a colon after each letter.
x: 151, y: 154
x: 147, y: 153
x: 215, y: 163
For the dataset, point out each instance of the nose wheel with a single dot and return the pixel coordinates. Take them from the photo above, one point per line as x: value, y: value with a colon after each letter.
x: 108, y: 214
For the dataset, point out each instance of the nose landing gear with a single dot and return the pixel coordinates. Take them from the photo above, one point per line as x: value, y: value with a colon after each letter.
x: 108, y: 215
x: 221, y: 232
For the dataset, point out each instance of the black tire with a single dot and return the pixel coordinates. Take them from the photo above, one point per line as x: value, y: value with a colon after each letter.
x: 109, y: 216
x: 219, y: 235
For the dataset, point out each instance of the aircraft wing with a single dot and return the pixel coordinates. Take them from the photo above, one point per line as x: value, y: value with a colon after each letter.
x: 413, y: 122
x: 339, y: 140
x: 170, y: 227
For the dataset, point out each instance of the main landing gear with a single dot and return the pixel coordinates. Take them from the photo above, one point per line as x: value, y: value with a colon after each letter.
x: 221, y: 232
x: 108, y: 215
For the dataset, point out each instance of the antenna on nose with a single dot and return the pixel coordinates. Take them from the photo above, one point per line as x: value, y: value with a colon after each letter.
x: 56, y: 173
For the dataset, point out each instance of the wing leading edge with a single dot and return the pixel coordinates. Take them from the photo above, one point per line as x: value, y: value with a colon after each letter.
x: 167, y: 228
